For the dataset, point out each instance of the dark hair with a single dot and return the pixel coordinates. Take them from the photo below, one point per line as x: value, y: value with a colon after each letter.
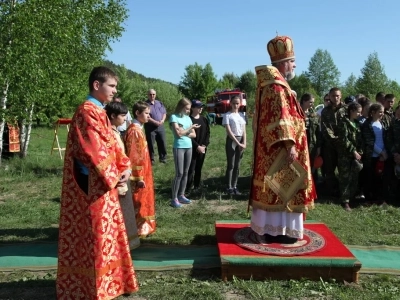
x: 334, y: 89
x: 349, y: 99
x: 100, y: 74
x: 379, y: 95
x: 364, y: 101
x: 326, y: 95
x: 389, y: 97
x: 116, y: 108
x: 374, y: 108
x: 353, y: 106
x: 306, y: 97
x: 140, y: 107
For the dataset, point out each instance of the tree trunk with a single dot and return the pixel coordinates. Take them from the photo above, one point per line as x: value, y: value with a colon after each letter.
x: 3, y: 102
x: 26, y: 135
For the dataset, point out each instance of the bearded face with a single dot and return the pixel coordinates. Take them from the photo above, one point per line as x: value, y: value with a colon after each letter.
x: 290, y: 65
x: 290, y: 75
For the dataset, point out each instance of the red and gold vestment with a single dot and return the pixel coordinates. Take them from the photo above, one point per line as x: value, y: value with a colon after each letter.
x: 94, y: 261
x: 278, y: 119
x: 143, y: 198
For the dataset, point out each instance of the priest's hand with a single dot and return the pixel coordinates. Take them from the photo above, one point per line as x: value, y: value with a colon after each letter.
x: 292, y: 155
x: 124, y: 177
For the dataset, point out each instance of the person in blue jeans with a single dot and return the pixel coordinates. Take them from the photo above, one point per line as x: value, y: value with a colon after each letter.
x: 183, y: 132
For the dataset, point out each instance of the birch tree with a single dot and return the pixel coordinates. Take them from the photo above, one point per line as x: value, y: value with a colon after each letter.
x: 48, y: 52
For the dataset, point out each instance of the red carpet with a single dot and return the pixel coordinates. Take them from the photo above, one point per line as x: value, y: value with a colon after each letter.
x: 331, y: 260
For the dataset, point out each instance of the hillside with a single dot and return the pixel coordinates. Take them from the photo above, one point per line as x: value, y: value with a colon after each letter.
x: 133, y: 74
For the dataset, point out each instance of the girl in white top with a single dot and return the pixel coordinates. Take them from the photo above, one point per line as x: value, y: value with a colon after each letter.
x: 235, y: 125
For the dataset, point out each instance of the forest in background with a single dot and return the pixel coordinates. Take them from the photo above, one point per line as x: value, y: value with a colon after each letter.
x: 46, y: 61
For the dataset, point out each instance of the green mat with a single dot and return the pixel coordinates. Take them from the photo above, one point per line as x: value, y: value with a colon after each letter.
x: 43, y: 256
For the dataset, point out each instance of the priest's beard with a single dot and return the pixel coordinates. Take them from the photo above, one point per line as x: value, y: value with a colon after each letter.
x: 290, y: 75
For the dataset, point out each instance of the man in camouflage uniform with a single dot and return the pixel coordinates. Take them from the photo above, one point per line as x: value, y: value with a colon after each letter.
x: 331, y: 117
x: 349, y: 152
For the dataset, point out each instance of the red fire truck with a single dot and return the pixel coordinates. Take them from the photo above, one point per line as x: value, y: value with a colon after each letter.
x: 219, y: 102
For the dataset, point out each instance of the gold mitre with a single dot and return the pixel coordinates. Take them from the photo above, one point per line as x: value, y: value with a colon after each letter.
x: 280, y: 48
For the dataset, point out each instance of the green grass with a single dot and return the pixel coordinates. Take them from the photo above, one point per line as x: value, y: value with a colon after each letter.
x: 29, y: 211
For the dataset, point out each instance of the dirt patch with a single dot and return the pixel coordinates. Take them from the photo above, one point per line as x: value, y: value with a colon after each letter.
x: 233, y: 296
x: 219, y: 206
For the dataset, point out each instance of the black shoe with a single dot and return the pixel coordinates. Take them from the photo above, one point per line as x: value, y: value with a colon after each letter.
x: 270, y: 239
x: 163, y: 161
x: 236, y: 192
x: 284, y: 239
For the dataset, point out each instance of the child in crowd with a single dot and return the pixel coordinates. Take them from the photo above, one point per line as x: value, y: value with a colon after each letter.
x: 374, y: 153
x: 116, y: 112
x: 349, y: 154
x: 142, y: 174
x: 235, y: 125
x: 183, y: 131
x: 199, y: 145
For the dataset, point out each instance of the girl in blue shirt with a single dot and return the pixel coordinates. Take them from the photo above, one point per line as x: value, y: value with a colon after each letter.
x: 183, y: 131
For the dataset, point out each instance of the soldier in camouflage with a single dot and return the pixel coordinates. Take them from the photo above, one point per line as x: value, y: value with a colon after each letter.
x: 331, y: 117
x: 349, y: 152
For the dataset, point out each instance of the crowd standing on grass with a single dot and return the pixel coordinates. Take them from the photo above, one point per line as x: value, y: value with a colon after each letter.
x: 360, y: 140
x: 108, y: 199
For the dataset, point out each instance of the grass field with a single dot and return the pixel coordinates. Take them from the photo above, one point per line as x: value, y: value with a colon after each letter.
x: 29, y: 211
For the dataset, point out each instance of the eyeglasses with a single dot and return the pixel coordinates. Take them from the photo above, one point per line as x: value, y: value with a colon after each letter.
x: 152, y: 94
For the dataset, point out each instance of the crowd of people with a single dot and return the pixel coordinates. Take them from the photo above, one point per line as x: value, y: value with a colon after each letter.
x: 357, y: 138
x: 108, y: 200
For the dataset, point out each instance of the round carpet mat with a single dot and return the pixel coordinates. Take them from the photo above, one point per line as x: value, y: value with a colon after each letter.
x: 311, y: 242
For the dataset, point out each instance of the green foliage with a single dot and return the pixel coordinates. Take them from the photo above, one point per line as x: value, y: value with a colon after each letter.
x: 46, y: 59
x: 133, y: 87
x: 228, y: 81
x: 394, y: 88
x: 322, y: 72
x: 247, y: 82
x: 301, y: 85
x: 198, y: 82
x: 349, y: 86
x: 373, y: 78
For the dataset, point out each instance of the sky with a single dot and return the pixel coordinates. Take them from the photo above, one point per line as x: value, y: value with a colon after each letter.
x: 162, y: 37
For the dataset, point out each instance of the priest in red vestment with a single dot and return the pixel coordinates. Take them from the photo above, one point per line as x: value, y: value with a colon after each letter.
x: 279, y: 196
x: 94, y: 261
